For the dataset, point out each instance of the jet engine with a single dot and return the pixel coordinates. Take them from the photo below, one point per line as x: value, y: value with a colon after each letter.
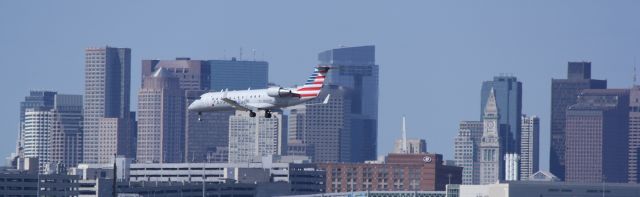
x: 279, y: 92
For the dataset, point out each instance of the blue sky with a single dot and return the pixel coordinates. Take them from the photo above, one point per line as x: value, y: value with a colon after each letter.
x: 433, y: 55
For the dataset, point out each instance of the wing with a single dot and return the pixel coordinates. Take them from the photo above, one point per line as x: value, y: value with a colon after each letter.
x: 238, y: 106
x: 248, y: 106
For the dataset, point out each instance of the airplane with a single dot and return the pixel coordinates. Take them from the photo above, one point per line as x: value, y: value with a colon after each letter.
x: 267, y: 100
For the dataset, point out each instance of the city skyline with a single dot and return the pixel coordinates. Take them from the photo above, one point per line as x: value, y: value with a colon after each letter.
x: 426, y: 122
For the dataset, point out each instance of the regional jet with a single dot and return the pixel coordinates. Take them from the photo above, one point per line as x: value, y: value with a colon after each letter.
x: 272, y: 98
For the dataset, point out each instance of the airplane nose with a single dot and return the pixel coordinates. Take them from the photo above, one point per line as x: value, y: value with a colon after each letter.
x: 197, y: 105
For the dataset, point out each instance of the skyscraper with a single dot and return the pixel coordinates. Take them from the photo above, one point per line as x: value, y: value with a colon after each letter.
x: 597, y: 130
x: 37, y: 127
x: 106, y: 104
x: 508, y: 93
x: 65, y: 138
x: 322, y: 129
x: 36, y: 99
x: 529, y: 146
x: 564, y: 93
x: 250, y: 138
x: 634, y: 134
x: 192, y: 74
x: 161, y: 117
x: 467, y: 150
x: 357, y: 74
x: 237, y: 74
x: 492, y: 153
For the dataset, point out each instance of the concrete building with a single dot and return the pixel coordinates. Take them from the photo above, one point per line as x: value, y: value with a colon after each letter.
x: 414, y: 146
x: 35, y: 99
x: 529, y: 146
x: 192, y: 74
x: 251, y: 138
x: 598, y: 127
x: 467, y: 150
x: 297, y: 176
x: 37, y: 128
x: 634, y: 134
x: 399, y: 172
x: 357, y: 74
x: 161, y: 119
x: 564, y: 93
x: 308, y: 126
x: 543, y: 188
x: 65, y: 138
x: 106, y: 104
x: 508, y: 96
x: 16, y: 183
x: 491, y: 149
x: 378, y: 194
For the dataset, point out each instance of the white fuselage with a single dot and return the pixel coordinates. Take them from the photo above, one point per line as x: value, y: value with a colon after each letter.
x: 258, y: 99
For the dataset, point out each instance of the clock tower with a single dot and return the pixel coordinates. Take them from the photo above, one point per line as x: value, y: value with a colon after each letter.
x: 490, y: 154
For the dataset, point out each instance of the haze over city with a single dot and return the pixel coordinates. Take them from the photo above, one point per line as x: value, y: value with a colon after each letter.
x: 433, y: 56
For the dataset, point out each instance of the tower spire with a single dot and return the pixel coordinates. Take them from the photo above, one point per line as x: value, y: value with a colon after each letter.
x: 404, y: 136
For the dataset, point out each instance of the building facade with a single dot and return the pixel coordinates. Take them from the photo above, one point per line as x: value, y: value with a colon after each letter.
x: 491, y: 151
x: 357, y: 74
x: 508, y: 95
x: 399, y: 172
x: 37, y: 128
x: 597, y: 130
x: 564, y: 93
x: 161, y: 109
x: 322, y: 129
x: 529, y: 146
x: 467, y: 150
x: 106, y: 101
x: 65, y: 138
x: 414, y: 146
x: 634, y: 134
x: 251, y: 138
x: 36, y: 99
x: 237, y: 74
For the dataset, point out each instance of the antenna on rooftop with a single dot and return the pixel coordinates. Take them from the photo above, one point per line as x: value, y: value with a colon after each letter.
x: 254, y: 54
x: 404, y: 136
x: 240, y: 54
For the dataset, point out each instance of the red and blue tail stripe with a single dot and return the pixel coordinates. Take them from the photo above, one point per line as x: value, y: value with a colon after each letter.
x: 312, y: 87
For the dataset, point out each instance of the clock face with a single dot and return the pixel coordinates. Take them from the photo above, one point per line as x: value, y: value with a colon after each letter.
x: 490, y: 125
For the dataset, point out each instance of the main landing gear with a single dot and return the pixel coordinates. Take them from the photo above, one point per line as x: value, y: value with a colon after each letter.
x: 267, y: 114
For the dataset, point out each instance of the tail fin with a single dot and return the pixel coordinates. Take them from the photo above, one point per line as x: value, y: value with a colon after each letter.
x: 311, y: 89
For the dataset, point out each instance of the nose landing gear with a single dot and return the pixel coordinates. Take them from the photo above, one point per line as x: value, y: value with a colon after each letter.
x: 200, y: 116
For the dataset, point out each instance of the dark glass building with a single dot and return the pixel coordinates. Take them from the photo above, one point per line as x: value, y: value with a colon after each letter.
x: 357, y: 73
x: 564, y: 93
x: 596, y: 134
x: 508, y: 91
x: 238, y: 74
x: 634, y: 134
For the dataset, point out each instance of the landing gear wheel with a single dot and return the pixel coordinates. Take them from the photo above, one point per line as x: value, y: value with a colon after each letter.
x: 252, y: 114
x: 267, y: 114
x: 199, y: 116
